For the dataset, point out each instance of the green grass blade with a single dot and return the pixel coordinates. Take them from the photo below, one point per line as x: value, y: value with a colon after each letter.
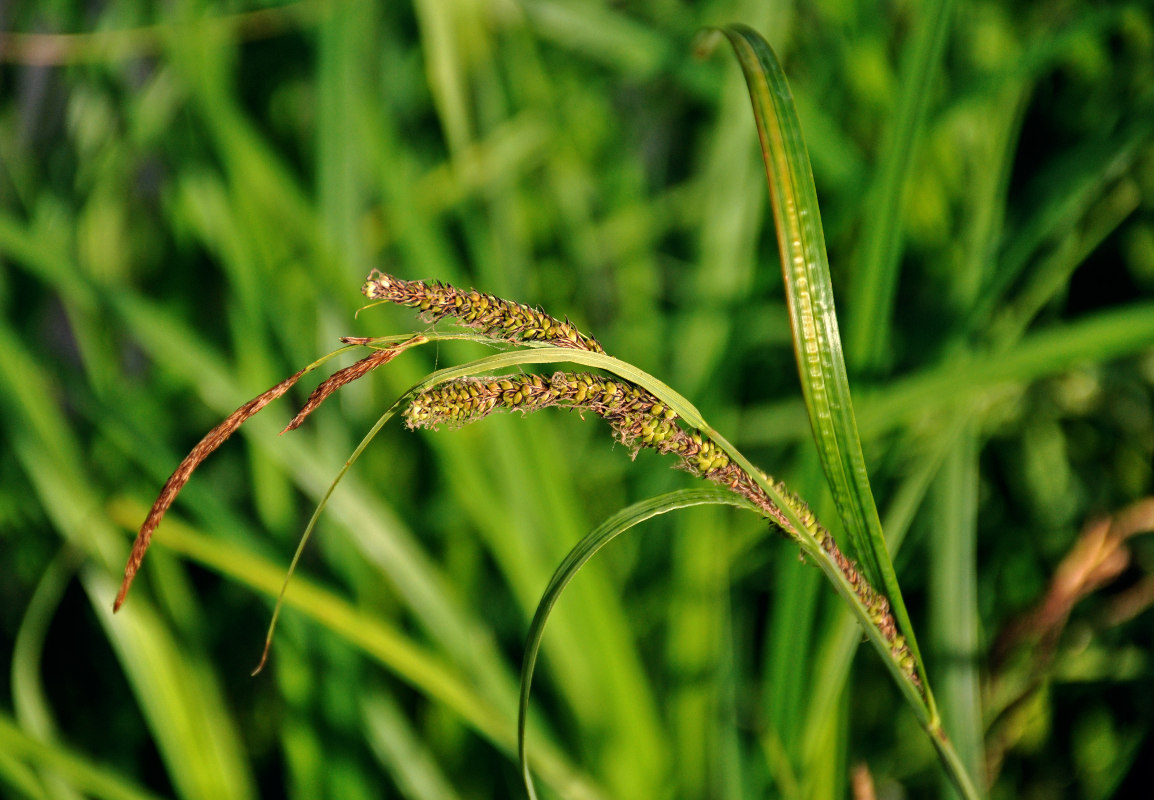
x: 1096, y: 338
x: 400, y: 748
x: 387, y: 645
x: 871, y: 323
x: 31, y: 703
x: 1072, y: 193
x: 953, y: 594
x: 809, y: 292
x: 609, y: 530
x: 20, y: 776
x: 702, y: 713
x: 833, y: 662
x: 81, y: 774
x: 345, y: 50
x: 794, y: 633
x: 181, y: 700
x: 1051, y: 275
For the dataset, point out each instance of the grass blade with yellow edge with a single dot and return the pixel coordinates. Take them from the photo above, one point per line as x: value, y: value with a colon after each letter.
x: 809, y: 294
x: 817, y: 342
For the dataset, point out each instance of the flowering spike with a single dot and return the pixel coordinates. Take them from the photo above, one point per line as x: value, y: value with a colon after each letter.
x: 491, y: 315
x: 639, y: 420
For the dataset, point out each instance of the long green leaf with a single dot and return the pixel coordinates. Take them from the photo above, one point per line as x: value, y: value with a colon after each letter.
x: 809, y: 295
x: 821, y: 363
x: 578, y: 556
x: 1104, y: 336
x: 953, y: 597
x: 870, y: 324
x: 29, y: 700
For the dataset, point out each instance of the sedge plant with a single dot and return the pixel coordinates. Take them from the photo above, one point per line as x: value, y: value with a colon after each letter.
x: 644, y: 413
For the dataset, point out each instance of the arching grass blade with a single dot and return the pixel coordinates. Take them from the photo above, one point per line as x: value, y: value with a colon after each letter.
x: 600, y: 536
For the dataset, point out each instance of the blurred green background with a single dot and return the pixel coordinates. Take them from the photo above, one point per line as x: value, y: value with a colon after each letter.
x: 190, y: 197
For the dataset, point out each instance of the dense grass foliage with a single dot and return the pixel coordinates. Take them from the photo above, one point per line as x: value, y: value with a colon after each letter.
x: 190, y: 199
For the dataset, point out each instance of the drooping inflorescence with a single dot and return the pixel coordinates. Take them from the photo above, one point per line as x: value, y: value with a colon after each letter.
x: 491, y: 315
x: 638, y: 418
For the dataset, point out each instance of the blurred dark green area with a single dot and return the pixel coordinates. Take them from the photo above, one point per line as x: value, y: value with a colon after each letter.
x: 190, y: 197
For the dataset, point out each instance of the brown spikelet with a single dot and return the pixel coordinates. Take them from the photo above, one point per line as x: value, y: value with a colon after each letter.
x: 212, y: 440
x: 339, y: 379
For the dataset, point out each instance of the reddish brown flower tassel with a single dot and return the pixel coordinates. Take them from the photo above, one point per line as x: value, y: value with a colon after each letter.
x: 339, y: 379
x: 216, y: 437
x: 212, y: 440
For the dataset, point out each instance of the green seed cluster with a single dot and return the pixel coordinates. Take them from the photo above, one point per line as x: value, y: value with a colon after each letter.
x: 466, y: 400
x: 640, y: 420
x: 491, y: 315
